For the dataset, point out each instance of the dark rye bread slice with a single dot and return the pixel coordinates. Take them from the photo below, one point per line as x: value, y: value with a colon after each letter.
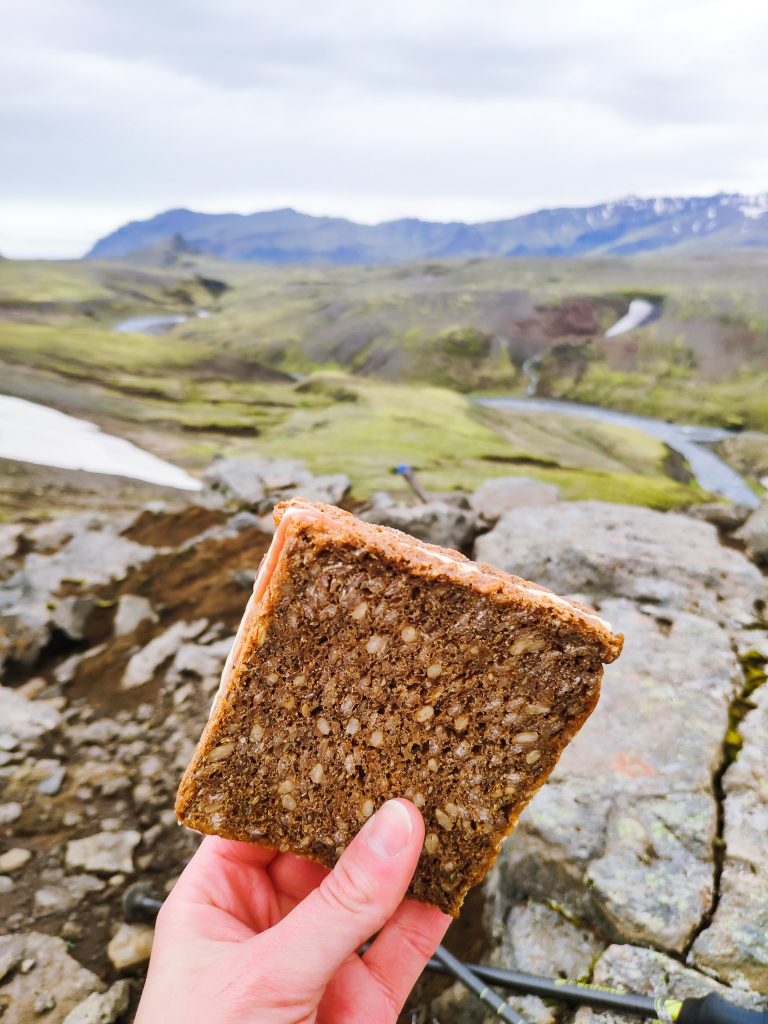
x: 370, y: 665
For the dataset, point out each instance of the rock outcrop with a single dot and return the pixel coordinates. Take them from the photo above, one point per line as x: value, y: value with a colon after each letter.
x: 646, y: 849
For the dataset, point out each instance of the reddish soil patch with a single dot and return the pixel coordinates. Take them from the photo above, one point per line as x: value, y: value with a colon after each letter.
x: 198, y: 582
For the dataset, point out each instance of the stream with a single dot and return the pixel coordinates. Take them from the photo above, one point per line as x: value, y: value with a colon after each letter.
x: 35, y: 433
x: 712, y: 473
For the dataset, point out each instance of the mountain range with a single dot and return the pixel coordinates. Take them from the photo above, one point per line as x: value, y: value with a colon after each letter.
x: 624, y: 227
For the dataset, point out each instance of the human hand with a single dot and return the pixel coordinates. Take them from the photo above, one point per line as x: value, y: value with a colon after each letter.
x: 252, y: 936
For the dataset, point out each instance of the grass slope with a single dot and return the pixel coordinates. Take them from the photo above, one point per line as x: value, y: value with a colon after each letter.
x: 388, y: 352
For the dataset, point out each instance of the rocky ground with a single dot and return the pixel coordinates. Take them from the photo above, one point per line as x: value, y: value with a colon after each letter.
x: 642, y: 862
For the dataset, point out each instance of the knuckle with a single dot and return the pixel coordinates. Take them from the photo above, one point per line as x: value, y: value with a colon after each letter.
x: 416, y: 940
x: 346, y: 890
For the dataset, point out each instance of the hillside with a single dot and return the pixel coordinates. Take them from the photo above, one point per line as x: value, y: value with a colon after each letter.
x: 632, y: 225
x: 367, y: 368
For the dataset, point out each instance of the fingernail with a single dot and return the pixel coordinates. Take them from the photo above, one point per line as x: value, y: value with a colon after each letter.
x: 389, y: 831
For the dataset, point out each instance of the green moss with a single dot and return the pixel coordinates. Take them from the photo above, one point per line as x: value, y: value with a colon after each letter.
x: 454, y: 444
x: 754, y: 666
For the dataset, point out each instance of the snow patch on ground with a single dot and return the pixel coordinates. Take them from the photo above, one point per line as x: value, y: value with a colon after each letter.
x: 33, y: 433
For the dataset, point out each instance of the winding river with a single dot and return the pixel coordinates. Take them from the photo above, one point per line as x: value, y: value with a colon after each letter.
x: 712, y: 473
x: 34, y: 433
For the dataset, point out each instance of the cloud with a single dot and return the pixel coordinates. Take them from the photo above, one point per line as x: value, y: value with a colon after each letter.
x: 441, y: 108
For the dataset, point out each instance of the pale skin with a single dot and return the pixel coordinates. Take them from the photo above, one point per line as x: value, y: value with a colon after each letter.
x: 252, y: 936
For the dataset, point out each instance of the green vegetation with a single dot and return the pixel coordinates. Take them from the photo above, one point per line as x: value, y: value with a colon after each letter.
x: 454, y: 444
x: 359, y: 368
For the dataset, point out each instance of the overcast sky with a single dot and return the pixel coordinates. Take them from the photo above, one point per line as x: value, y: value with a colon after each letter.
x: 441, y: 109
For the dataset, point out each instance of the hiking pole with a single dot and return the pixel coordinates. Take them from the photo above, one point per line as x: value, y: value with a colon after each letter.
x: 140, y: 905
x: 407, y: 473
x: 474, y: 983
x: 711, y: 1009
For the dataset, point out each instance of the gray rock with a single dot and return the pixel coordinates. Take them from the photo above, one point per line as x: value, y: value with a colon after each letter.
x: 92, y: 557
x: 665, y: 559
x: 130, y: 946
x: 104, y: 852
x: 143, y: 665
x: 459, y: 1006
x: 53, y: 782
x: 102, y: 1008
x: 71, y: 615
x: 67, y: 670
x: 204, y: 661
x: 724, y: 516
x: 7, y: 884
x: 435, y: 522
x: 9, y: 812
x: 33, y: 687
x: 260, y: 483
x: 61, y: 897
x: 24, y: 628
x: 498, y: 495
x: 648, y: 972
x: 754, y: 534
x: 735, y: 945
x: 9, y: 960
x: 45, y: 1003
x: 243, y: 479
x: 132, y: 610
x: 539, y: 940
x: 329, y: 488
x: 10, y: 534
x: 623, y: 831
x: 14, y: 859
x: 25, y: 719
x: 50, y: 536
x: 55, y: 973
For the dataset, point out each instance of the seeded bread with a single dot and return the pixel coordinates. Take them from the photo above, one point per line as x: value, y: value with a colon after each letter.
x: 370, y: 665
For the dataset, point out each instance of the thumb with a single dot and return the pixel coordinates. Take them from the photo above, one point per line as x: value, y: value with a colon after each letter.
x: 355, y: 900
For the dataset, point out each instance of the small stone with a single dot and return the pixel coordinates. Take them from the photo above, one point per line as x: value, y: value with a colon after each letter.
x: 104, y: 852
x: 33, y: 687
x: 14, y: 859
x: 26, y: 719
x: 142, y: 666
x: 71, y: 615
x: 102, y: 1008
x: 6, y: 883
x: 27, y: 964
x: 494, y: 497
x: 9, y: 813
x: 51, y: 785
x: 9, y: 960
x: 754, y: 534
x: 44, y: 1003
x: 61, y: 897
x: 56, y: 973
x: 132, y: 610
x: 130, y: 946
x: 436, y: 522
